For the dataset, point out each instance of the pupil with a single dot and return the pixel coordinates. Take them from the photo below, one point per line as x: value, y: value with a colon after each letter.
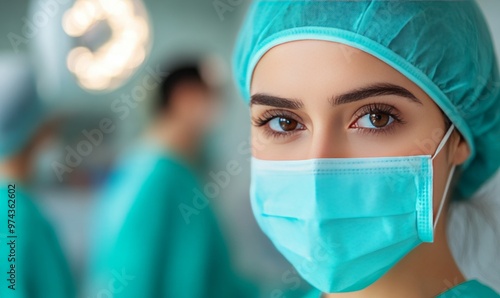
x: 379, y: 120
x: 287, y: 124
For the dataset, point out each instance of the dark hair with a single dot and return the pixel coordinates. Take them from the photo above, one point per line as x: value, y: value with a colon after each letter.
x: 185, y: 73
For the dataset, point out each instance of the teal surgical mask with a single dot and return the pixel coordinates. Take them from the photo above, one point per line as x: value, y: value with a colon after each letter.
x: 344, y: 222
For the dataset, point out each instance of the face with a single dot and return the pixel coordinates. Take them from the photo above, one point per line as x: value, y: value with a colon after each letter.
x: 318, y: 99
x: 195, y: 106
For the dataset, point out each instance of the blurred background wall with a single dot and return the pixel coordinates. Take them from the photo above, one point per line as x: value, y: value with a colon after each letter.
x: 177, y: 26
x: 193, y: 27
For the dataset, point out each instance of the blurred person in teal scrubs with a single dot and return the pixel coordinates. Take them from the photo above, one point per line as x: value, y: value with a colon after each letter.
x: 155, y: 233
x: 32, y: 263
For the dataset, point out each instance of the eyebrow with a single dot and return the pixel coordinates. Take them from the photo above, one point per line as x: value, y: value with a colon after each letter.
x: 373, y: 91
x: 275, y: 101
x: 349, y: 97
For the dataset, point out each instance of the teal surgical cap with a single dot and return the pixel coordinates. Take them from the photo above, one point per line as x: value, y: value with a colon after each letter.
x: 444, y: 47
x: 20, y: 107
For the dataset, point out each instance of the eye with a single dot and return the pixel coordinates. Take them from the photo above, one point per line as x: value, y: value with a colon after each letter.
x: 377, y: 118
x: 282, y: 124
x: 374, y: 121
x: 279, y: 123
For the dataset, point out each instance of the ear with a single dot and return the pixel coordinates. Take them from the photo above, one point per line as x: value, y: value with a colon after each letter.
x: 460, y: 149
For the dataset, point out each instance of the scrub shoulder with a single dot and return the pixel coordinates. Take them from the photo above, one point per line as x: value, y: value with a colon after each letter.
x: 468, y: 289
x: 32, y: 271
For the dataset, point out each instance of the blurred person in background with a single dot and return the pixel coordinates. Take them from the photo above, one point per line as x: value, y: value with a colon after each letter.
x: 31, y: 260
x: 155, y: 232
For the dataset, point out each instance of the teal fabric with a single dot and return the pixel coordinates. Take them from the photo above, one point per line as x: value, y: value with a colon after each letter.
x: 469, y: 289
x: 316, y: 215
x: 313, y: 294
x: 442, y: 46
x: 21, y: 110
x: 41, y: 267
x: 142, y: 235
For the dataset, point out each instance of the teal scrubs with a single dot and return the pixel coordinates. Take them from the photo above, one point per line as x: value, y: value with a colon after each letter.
x: 468, y: 289
x: 31, y: 260
x: 157, y: 235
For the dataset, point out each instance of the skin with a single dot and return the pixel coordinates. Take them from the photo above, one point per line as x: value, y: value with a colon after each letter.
x: 19, y: 166
x: 182, y: 126
x: 312, y: 74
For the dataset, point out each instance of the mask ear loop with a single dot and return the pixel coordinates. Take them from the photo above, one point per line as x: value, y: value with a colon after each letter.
x: 450, y: 176
x: 444, y: 140
x: 452, y: 171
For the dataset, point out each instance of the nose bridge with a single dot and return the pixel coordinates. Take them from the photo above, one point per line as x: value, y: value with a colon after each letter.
x: 327, y: 142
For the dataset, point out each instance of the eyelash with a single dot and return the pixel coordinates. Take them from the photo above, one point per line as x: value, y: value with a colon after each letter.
x: 374, y: 108
x: 270, y: 115
x: 379, y: 108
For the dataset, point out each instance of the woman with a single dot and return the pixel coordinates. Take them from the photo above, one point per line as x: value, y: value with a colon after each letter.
x: 361, y: 112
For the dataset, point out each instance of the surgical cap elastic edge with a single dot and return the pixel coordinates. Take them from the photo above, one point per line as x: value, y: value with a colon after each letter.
x: 473, y: 84
x: 373, y: 48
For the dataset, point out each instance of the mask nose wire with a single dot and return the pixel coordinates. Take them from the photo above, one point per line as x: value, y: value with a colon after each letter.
x: 450, y: 175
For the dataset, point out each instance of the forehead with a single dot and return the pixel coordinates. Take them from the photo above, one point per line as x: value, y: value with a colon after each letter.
x: 313, y: 68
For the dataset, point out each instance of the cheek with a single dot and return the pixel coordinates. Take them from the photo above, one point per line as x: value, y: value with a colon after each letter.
x: 198, y: 112
x: 262, y: 148
x: 269, y: 148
